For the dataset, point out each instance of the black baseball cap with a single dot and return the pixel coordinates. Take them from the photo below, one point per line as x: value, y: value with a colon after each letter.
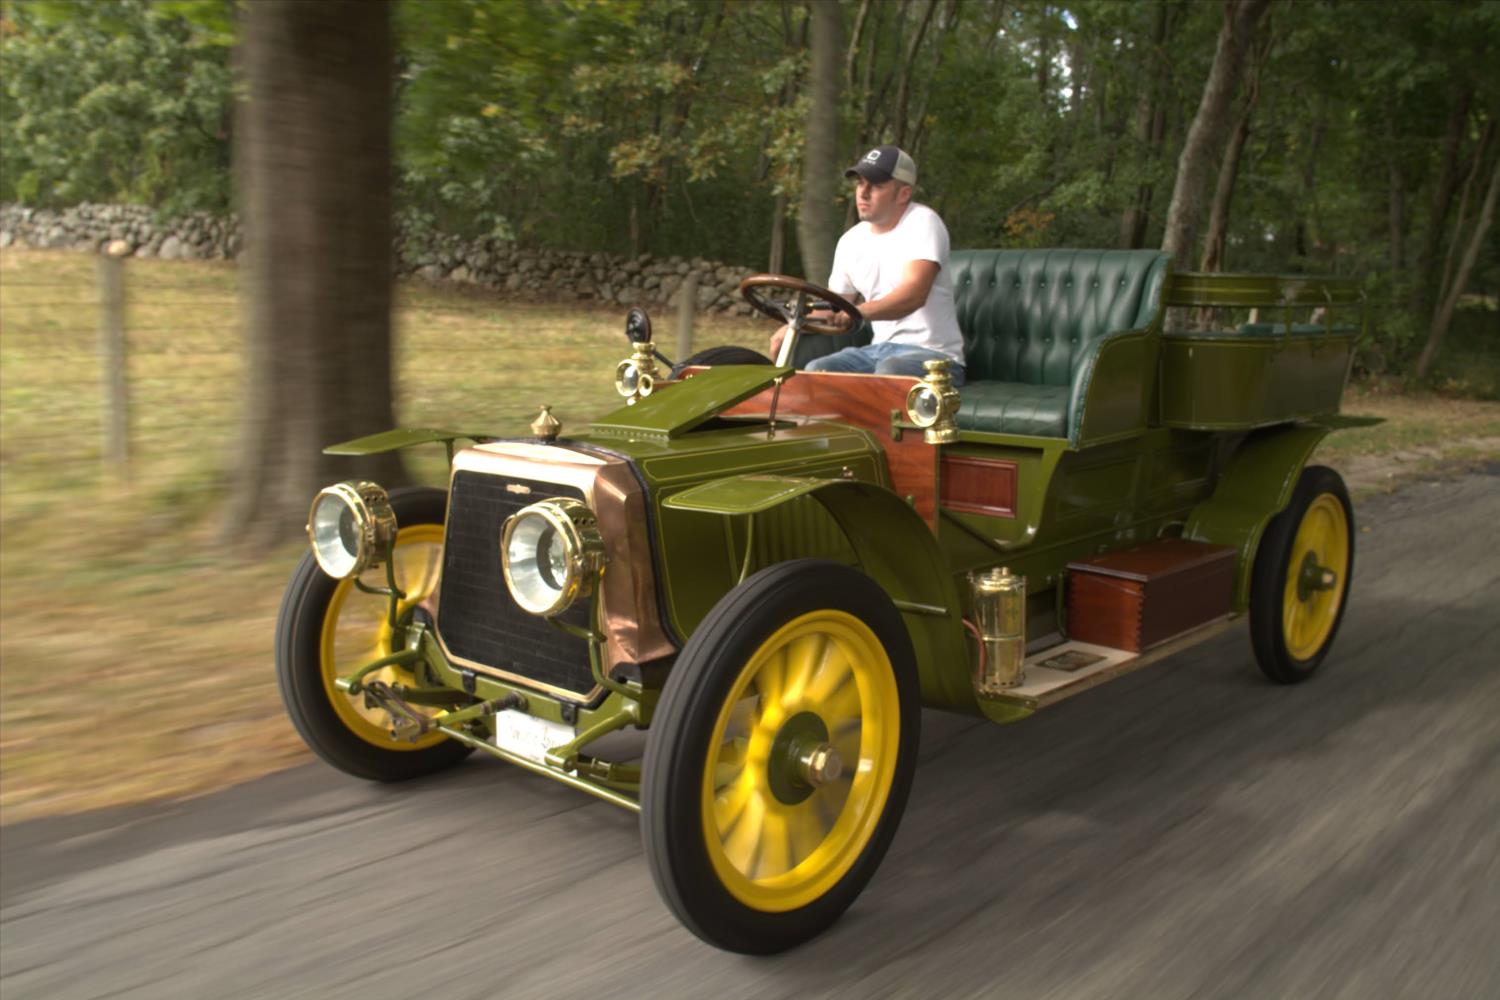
x: 883, y: 163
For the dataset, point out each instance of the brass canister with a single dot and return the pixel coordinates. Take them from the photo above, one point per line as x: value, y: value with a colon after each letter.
x: 1000, y: 617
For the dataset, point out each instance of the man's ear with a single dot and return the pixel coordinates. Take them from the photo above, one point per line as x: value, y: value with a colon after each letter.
x: 903, y: 194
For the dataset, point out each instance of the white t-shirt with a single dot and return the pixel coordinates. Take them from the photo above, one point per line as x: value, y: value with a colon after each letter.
x: 873, y: 264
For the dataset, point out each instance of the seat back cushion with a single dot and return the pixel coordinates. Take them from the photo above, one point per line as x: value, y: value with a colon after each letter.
x: 1031, y: 316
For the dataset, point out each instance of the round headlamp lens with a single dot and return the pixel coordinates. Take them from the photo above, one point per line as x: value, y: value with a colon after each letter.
x: 923, y: 406
x: 536, y: 562
x: 351, y: 526
x: 335, y: 535
x: 627, y: 378
x: 549, y: 553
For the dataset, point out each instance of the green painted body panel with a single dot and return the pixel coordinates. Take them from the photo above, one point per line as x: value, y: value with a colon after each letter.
x: 1187, y: 288
x: 678, y: 407
x: 1077, y: 503
x: 1256, y: 484
x: 1242, y: 381
x: 859, y: 523
x: 374, y: 444
x: 1112, y: 395
x: 742, y: 494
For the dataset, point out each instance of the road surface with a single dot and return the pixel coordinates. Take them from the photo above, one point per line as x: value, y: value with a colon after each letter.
x: 1188, y: 831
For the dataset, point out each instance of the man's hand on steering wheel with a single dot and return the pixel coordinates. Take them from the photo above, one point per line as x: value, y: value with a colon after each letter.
x: 840, y: 320
x: 813, y: 308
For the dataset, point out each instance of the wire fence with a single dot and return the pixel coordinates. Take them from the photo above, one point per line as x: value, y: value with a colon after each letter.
x: 147, y: 386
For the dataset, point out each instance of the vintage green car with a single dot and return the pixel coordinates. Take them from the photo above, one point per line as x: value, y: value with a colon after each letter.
x: 773, y: 571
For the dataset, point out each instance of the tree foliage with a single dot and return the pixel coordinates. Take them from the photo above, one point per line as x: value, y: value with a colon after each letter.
x: 119, y: 100
x: 679, y: 126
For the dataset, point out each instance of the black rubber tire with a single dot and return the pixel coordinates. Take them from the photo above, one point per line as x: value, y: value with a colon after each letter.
x: 728, y: 354
x: 1269, y: 575
x: 681, y: 730
x: 299, y: 628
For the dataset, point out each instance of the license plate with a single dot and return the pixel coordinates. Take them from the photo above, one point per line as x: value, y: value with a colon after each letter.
x: 529, y: 736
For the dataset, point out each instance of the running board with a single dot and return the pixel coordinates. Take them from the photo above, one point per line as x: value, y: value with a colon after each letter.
x: 1073, y: 667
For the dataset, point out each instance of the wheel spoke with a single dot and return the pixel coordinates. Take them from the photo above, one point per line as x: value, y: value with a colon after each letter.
x: 741, y: 843
x: 775, y: 845
x: 842, y: 708
x: 833, y: 674
x: 417, y: 573
x: 770, y: 681
x: 831, y: 799
x: 731, y: 802
x: 803, y: 657
x: 353, y: 661
x: 805, y: 831
x: 731, y: 763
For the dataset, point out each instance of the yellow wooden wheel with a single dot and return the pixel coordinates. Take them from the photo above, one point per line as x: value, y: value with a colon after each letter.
x: 1314, y: 589
x: 356, y: 630
x: 1299, y: 585
x: 329, y: 628
x: 806, y: 752
x: 780, y: 756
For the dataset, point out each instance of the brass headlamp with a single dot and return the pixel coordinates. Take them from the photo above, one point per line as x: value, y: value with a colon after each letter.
x: 932, y: 404
x: 551, y: 554
x: 636, y: 376
x: 351, y: 527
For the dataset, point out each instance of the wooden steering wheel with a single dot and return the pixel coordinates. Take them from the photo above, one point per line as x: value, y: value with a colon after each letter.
x: 794, y: 312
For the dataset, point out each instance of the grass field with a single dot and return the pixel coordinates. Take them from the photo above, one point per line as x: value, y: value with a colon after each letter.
x: 135, y: 658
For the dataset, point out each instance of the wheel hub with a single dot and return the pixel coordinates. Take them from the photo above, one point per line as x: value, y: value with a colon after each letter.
x: 819, y: 765
x: 1313, y: 577
x: 802, y: 759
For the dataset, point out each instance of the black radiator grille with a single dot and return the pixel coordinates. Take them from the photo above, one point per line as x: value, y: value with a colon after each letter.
x: 477, y: 617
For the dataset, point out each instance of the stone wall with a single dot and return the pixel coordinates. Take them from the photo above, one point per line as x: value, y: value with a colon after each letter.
x: 547, y: 275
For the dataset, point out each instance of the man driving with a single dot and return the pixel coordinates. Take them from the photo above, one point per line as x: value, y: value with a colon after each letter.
x: 896, y: 258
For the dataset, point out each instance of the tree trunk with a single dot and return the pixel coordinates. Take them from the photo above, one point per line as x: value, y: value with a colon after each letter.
x: 903, y: 87
x: 817, y: 222
x: 1218, y: 216
x: 1463, y: 203
x: 317, y: 207
x: 1205, y: 134
x: 1423, y: 291
x: 1150, y: 125
x: 1397, y: 216
x: 945, y: 31
x: 778, y: 236
x: 1443, y: 318
x: 851, y: 57
x: 1309, y: 181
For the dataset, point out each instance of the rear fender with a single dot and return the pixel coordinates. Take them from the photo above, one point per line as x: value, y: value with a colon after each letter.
x: 893, y: 546
x: 1256, y: 485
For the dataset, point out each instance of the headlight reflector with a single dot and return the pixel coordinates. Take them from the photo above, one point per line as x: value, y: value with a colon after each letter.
x: 923, y: 405
x: 551, y: 554
x: 627, y: 377
x: 351, y: 527
x: 632, y: 380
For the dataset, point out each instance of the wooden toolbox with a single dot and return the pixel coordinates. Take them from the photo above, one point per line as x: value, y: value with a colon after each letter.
x: 1136, y: 598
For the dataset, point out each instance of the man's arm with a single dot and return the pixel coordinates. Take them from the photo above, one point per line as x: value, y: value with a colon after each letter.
x: 907, y: 297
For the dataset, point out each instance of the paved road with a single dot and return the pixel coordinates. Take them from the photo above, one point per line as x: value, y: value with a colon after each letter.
x: 1189, y: 831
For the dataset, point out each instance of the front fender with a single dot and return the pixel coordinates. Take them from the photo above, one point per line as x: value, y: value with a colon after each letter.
x: 1255, y: 487
x: 375, y: 444
x: 893, y: 546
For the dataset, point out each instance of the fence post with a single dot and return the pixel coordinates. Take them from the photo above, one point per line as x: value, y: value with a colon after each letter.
x: 687, y: 304
x: 111, y: 270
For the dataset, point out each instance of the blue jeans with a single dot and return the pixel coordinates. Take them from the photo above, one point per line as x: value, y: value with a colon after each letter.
x: 884, y: 359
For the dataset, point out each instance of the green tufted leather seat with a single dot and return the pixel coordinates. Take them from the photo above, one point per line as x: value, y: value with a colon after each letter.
x: 1033, y: 322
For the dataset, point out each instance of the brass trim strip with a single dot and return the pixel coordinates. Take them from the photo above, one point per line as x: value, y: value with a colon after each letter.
x: 517, y: 679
